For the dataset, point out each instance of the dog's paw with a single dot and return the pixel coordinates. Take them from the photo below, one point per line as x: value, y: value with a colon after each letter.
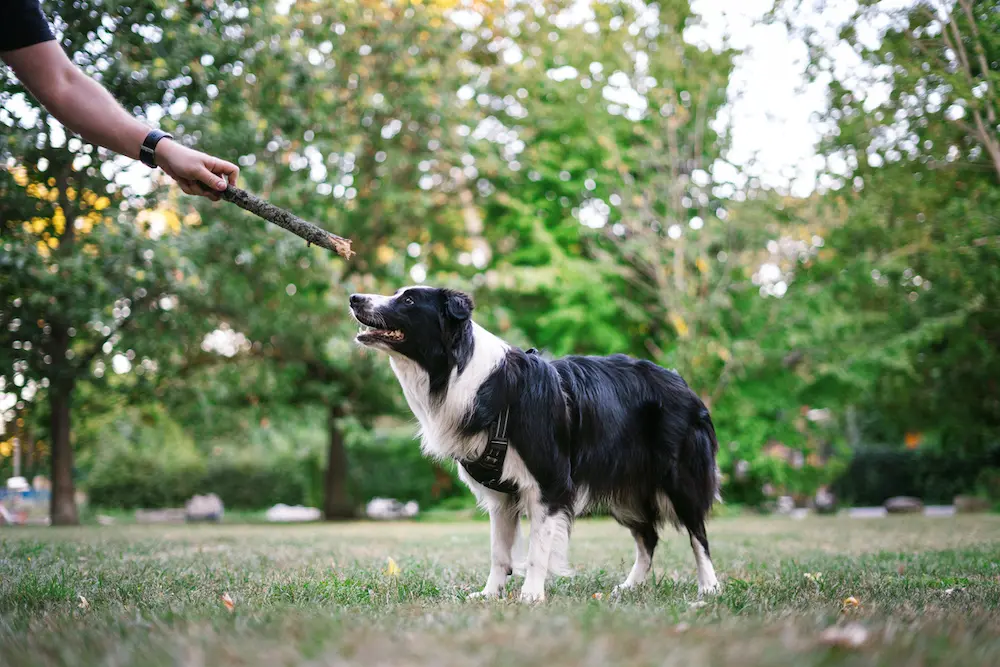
x: 484, y: 595
x: 532, y: 597
x: 710, y: 589
x: 563, y: 571
x: 627, y: 586
x: 621, y: 588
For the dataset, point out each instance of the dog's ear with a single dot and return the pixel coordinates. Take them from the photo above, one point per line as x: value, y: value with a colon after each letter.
x: 458, y: 305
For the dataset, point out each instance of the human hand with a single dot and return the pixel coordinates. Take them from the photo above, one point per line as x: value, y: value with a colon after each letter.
x: 197, y: 173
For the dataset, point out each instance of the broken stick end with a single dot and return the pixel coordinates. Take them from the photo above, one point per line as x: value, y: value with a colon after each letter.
x: 342, y: 246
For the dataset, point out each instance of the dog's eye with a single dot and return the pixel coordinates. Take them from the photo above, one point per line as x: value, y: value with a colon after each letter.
x: 408, y: 301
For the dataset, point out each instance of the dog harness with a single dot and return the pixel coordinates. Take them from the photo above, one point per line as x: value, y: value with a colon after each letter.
x: 488, y: 468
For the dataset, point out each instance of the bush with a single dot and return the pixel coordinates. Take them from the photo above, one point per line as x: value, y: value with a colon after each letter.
x: 152, y: 465
x: 253, y: 484
x: 934, y: 476
x: 142, y: 459
x: 130, y: 479
x: 133, y: 480
x: 392, y: 466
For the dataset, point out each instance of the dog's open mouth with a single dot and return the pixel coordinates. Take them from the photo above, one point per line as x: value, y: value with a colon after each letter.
x: 369, y: 334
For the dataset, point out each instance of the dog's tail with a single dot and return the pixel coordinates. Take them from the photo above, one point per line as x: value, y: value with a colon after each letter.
x: 702, y: 447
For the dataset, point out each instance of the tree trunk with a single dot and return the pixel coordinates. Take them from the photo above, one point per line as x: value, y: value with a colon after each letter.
x: 63, y: 507
x: 337, y: 505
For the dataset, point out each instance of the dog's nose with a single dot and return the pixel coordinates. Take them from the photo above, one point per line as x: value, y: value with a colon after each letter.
x: 357, y: 300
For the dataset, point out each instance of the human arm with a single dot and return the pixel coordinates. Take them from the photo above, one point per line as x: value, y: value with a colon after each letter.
x: 85, y: 107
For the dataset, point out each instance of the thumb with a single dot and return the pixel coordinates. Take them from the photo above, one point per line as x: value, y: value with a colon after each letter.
x: 212, y: 180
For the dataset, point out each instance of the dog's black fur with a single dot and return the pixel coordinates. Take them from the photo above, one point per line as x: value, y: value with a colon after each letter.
x: 622, y: 428
x: 626, y: 431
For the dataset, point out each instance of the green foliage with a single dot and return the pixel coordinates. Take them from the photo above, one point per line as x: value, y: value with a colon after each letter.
x: 391, y: 465
x: 911, y: 281
x: 128, y: 479
x: 143, y: 459
x: 934, y: 476
x: 132, y: 479
x: 565, y: 171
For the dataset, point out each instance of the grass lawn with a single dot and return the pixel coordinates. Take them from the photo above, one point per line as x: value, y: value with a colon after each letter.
x: 928, y: 588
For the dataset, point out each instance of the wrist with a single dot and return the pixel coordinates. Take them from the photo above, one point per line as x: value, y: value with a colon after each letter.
x: 155, y: 140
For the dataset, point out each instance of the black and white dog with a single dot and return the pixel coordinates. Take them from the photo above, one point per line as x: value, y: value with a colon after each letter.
x: 550, y: 438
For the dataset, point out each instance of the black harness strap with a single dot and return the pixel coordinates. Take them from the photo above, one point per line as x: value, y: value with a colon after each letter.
x: 488, y: 468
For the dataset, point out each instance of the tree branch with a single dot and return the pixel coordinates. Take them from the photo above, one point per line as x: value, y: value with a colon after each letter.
x: 981, y: 57
x: 985, y: 136
x: 296, y: 225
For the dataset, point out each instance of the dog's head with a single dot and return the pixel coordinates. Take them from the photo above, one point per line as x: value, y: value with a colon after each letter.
x: 425, y: 324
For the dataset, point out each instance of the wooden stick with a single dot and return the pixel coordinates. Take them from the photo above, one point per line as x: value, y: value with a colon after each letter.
x: 296, y: 225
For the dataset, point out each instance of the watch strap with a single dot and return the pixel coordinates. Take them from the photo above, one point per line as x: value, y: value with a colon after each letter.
x: 147, y: 152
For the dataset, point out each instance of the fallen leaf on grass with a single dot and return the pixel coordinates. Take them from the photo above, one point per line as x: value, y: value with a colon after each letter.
x: 84, y: 605
x: 392, y: 570
x: 851, y: 602
x: 852, y: 635
x: 228, y: 601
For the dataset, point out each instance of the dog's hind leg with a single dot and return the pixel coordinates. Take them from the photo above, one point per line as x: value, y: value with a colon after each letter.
x: 692, y: 519
x: 646, y: 540
x: 707, y: 582
x: 503, y: 532
x: 692, y: 489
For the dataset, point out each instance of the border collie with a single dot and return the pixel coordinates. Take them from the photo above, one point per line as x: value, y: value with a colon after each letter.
x: 614, y: 432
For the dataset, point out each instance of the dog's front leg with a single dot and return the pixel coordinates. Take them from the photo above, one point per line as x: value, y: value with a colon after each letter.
x: 503, y: 532
x: 543, y: 526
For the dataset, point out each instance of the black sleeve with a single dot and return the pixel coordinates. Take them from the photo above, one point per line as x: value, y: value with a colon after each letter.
x: 22, y: 24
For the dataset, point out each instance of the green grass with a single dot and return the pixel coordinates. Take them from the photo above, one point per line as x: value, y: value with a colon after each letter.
x: 929, y: 592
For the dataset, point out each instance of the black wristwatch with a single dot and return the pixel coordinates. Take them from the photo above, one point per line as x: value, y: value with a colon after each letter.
x: 147, y: 152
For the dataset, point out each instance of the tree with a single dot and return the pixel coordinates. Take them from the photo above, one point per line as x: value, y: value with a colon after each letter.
x: 613, y: 228
x: 80, y: 269
x: 346, y: 115
x: 913, y: 146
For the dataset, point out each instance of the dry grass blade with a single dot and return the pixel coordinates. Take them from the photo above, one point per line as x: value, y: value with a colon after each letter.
x: 296, y: 225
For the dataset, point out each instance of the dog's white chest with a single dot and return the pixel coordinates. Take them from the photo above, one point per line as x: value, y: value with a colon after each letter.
x: 441, y: 417
x: 440, y: 420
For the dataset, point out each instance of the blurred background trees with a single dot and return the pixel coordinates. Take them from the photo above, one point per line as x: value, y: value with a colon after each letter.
x: 566, y: 163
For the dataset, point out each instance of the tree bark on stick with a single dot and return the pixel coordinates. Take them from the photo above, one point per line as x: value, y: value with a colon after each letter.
x: 296, y: 225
